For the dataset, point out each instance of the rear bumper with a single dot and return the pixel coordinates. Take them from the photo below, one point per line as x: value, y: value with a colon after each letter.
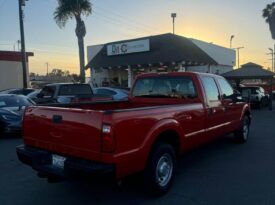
x: 41, y: 161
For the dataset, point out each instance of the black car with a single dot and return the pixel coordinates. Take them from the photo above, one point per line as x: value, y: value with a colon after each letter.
x: 11, y: 110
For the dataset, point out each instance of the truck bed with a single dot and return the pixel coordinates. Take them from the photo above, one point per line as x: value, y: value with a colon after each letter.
x: 76, y: 129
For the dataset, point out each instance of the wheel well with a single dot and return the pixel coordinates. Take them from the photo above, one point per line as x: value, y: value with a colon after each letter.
x: 169, y: 137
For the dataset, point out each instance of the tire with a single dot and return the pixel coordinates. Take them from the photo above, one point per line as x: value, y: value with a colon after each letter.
x: 160, y: 169
x: 242, y: 134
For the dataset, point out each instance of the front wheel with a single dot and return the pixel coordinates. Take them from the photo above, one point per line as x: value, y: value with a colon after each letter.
x: 243, y: 133
x: 160, y: 170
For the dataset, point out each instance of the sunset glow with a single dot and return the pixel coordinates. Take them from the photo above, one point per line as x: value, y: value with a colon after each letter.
x: 211, y: 21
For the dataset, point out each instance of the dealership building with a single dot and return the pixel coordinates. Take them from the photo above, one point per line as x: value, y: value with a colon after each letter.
x: 117, y: 63
x: 11, y: 72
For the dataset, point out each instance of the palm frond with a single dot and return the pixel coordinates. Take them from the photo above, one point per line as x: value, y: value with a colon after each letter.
x: 268, y: 12
x: 68, y: 9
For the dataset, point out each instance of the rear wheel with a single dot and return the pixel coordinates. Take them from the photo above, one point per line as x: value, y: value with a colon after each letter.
x: 243, y: 133
x: 160, y: 170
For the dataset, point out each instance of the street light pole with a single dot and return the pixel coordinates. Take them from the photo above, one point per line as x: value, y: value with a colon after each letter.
x: 173, y: 15
x: 231, y: 38
x: 23, y: 52
x: 272, y: 57
x: 238, y: 53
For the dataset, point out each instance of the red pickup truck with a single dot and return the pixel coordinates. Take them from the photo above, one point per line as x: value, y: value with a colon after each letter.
x: 166, y: 115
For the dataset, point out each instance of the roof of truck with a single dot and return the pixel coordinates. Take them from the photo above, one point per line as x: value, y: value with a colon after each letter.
x: 177, y: 74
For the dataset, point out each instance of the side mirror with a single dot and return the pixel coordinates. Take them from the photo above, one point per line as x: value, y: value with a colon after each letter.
x: 237, y: 97
x: 227, y: 101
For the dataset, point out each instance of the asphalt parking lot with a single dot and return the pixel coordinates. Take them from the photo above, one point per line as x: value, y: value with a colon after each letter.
x: 219, y: 173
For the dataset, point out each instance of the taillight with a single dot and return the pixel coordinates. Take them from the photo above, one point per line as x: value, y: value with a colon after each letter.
x: 108, y: 140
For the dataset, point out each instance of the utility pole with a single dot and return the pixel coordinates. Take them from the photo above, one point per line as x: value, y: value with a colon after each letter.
x: 47, y: 65
x: 23, y: 52
x: 18, y: 44
x: 238, y: 53
x: 173, y: 15
x: 231, y: 38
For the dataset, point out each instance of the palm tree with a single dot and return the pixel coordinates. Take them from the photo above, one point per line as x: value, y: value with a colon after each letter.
x: 269, y: 15
x: 69, y: 9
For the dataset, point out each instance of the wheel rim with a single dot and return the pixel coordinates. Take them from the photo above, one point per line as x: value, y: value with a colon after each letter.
x: 245, y: 129
x: 164, y: 170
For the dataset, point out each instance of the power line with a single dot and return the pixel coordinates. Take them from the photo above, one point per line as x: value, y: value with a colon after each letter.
x: 52, y: 51
x: 150, y: 27
x: 124, y: 22
x: 119, y: 25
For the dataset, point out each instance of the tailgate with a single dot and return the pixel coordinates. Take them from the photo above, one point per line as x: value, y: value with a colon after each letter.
x: 63, y: 130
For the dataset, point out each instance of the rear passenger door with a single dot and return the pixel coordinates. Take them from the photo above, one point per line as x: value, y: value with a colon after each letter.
x: 215, y: 120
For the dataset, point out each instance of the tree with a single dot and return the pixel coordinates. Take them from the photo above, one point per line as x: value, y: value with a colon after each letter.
x: 269, y: 15
x: 57, y: 72
x: 75, y: 77
x: 69, y: 9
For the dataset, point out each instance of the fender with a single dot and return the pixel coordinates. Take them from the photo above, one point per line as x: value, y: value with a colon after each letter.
x: 159, y: 128
x: 136, y: 160
x: 246, y: 108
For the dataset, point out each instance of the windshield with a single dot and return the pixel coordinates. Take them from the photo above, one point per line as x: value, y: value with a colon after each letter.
x: 14, y: 101
x: 165, y: 87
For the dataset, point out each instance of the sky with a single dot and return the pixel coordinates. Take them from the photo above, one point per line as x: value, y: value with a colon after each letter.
x: 207, y: 20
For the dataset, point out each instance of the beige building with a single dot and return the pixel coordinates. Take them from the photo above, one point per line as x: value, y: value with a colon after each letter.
x: 11, y: 72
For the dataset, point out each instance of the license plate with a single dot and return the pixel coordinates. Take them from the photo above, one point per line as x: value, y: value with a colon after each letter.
x: 58, y: 161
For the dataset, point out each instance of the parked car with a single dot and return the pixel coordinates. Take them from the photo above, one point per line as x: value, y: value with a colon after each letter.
x: 165, y: 116
x: 68, y: 93
x: 255, y: 95
x: 11, y: 111
x: 18, y: 91
x: 115, y: 93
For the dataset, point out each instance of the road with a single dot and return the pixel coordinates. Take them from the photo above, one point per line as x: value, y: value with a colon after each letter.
x: 219, y: 173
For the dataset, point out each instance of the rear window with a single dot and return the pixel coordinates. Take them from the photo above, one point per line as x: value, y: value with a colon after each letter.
x: 67, y: 90
x: 167, y: 87
x: 48, y: 91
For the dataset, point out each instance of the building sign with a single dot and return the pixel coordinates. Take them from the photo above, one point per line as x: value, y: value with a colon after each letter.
x: 128, y: 47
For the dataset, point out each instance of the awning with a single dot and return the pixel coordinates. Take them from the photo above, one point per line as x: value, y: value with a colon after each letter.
x: 165, y: 49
